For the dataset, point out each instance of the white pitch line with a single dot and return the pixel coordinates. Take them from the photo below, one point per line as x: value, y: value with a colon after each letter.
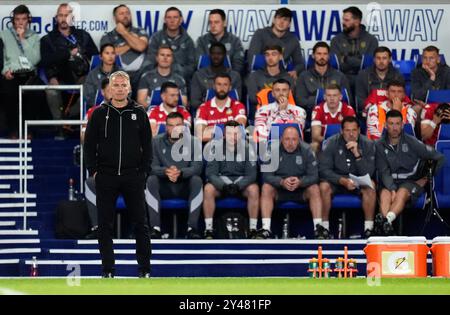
x: 6, y: 291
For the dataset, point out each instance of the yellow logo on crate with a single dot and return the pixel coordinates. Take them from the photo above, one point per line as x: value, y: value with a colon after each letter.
x: 397, y: 263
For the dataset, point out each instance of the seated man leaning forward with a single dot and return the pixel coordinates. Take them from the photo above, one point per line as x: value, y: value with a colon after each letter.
x: 294, y: 178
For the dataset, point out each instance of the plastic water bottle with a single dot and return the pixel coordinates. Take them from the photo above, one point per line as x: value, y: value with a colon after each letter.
x: 235, y: 227
x: 71, y: 190
x: 34, y: 267
x: 229, y: 228
x: 285, y: 229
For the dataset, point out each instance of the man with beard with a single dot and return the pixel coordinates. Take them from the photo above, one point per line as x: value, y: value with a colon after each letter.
x: 318, y: 77
x: 219, y: 109
x: 376, y: 77
x: 131, y: 44
x: 231, y: 172
x: 176, y: 170
x: 66, y: 52
x: 203, y: 79
x: 278, y: 112
x: 399, y: 157
x: 158, y: 114
x: 352, y: 43
x: 175, y: 36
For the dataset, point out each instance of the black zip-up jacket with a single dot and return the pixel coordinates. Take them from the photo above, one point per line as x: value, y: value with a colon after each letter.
x: 55, y: 53
x: 118, y: 141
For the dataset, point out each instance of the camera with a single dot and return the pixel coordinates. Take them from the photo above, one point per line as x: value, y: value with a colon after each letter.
x: 440, y: 110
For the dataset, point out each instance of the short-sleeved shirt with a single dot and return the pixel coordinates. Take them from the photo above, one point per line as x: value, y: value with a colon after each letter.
x: 427, y: 118
x: 152, y: 80
x: 132, y: 60
x: 271, y: 114
x: 321, y: 115
x: 209, y: 114
x: 158, y: 114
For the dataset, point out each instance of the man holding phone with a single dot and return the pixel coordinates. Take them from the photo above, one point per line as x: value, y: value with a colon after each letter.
x: 433, y: 115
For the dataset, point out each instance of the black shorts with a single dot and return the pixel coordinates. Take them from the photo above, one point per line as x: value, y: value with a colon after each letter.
x: 341, y: 190
x: 414, y: 189
x: 286, y: 195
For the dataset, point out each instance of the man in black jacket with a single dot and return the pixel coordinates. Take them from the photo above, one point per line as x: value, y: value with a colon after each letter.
x: 66, y: 52
x: 118, y: 155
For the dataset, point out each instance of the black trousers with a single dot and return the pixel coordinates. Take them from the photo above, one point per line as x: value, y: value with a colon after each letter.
x: 108, y: 188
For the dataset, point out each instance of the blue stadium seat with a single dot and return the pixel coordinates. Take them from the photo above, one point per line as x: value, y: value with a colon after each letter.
x: 366, y: 61
x: 155, y: 98
x: 442, y: 180
x: 405, y: 67
x: 409, y: 129
x: 321, y: 93
x: 444, y: 132
x: 408, y: 89
x: 161, y: 128
x: 419, y: 60
x: 204, y: 61
x: 334, y: 62
x: 96, y: 61
x: 331, y: 130
x: 438, y: 96
x: 291, y: 205
x: 99, y: 97
x: 231, y: 203
x: 259, y: 63
x: 211, y: 93
x: 281, y: 128
x: 346, y: 202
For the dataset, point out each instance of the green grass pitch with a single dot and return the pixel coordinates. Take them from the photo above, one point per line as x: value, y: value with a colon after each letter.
x: 222, y: 286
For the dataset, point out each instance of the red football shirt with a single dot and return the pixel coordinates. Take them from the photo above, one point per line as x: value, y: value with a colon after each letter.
x: 209, y: 114
x: 321, y: 115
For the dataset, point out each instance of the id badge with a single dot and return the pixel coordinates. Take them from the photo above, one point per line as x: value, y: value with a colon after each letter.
x: 24, y: 63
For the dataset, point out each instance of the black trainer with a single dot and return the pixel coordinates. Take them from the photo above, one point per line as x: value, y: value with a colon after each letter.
x: 263, y: 234
x: 378, y: 225
x: 93, y: 235
x: 193, y: 234
x: 252, y: 234
x: 209, y: 234
x: 367, y: 233
x: 388, y: 229
x: 144, y: 274
x: 155, y: 234
x: 107, y: 274
x: 321, y: 233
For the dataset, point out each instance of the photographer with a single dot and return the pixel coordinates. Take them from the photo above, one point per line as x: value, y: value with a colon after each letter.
x: 20, y: 56
x: 66, y: 53
x: 433, y: 115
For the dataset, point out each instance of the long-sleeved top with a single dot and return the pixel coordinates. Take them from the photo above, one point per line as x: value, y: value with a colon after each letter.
x: 183, y: 48
x: 310, y: 81
x: 220, y: 170
x: 421, y: 82
x: 350, y: 50
x: 260, y: 79
x: 118, y: 141
x: 231, y: 42
x: 291, y: 47
x: 93, y: 84
x: 185, y: 154
x: 203, y: 80
x: 369, y: 80
x: 12, y: 51
x: 132, y: 60
x: 55, y: 53
x: 401, y: 162
x: 301, y: 163
x: 336, y: 161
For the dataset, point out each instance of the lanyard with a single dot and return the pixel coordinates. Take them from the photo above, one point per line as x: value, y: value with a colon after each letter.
x: 18, y: 41
x: 71, y: 39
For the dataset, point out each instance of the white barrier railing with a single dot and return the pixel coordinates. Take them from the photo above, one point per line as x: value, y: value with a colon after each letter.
x: 40, y: 88
x: 23, y: 161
